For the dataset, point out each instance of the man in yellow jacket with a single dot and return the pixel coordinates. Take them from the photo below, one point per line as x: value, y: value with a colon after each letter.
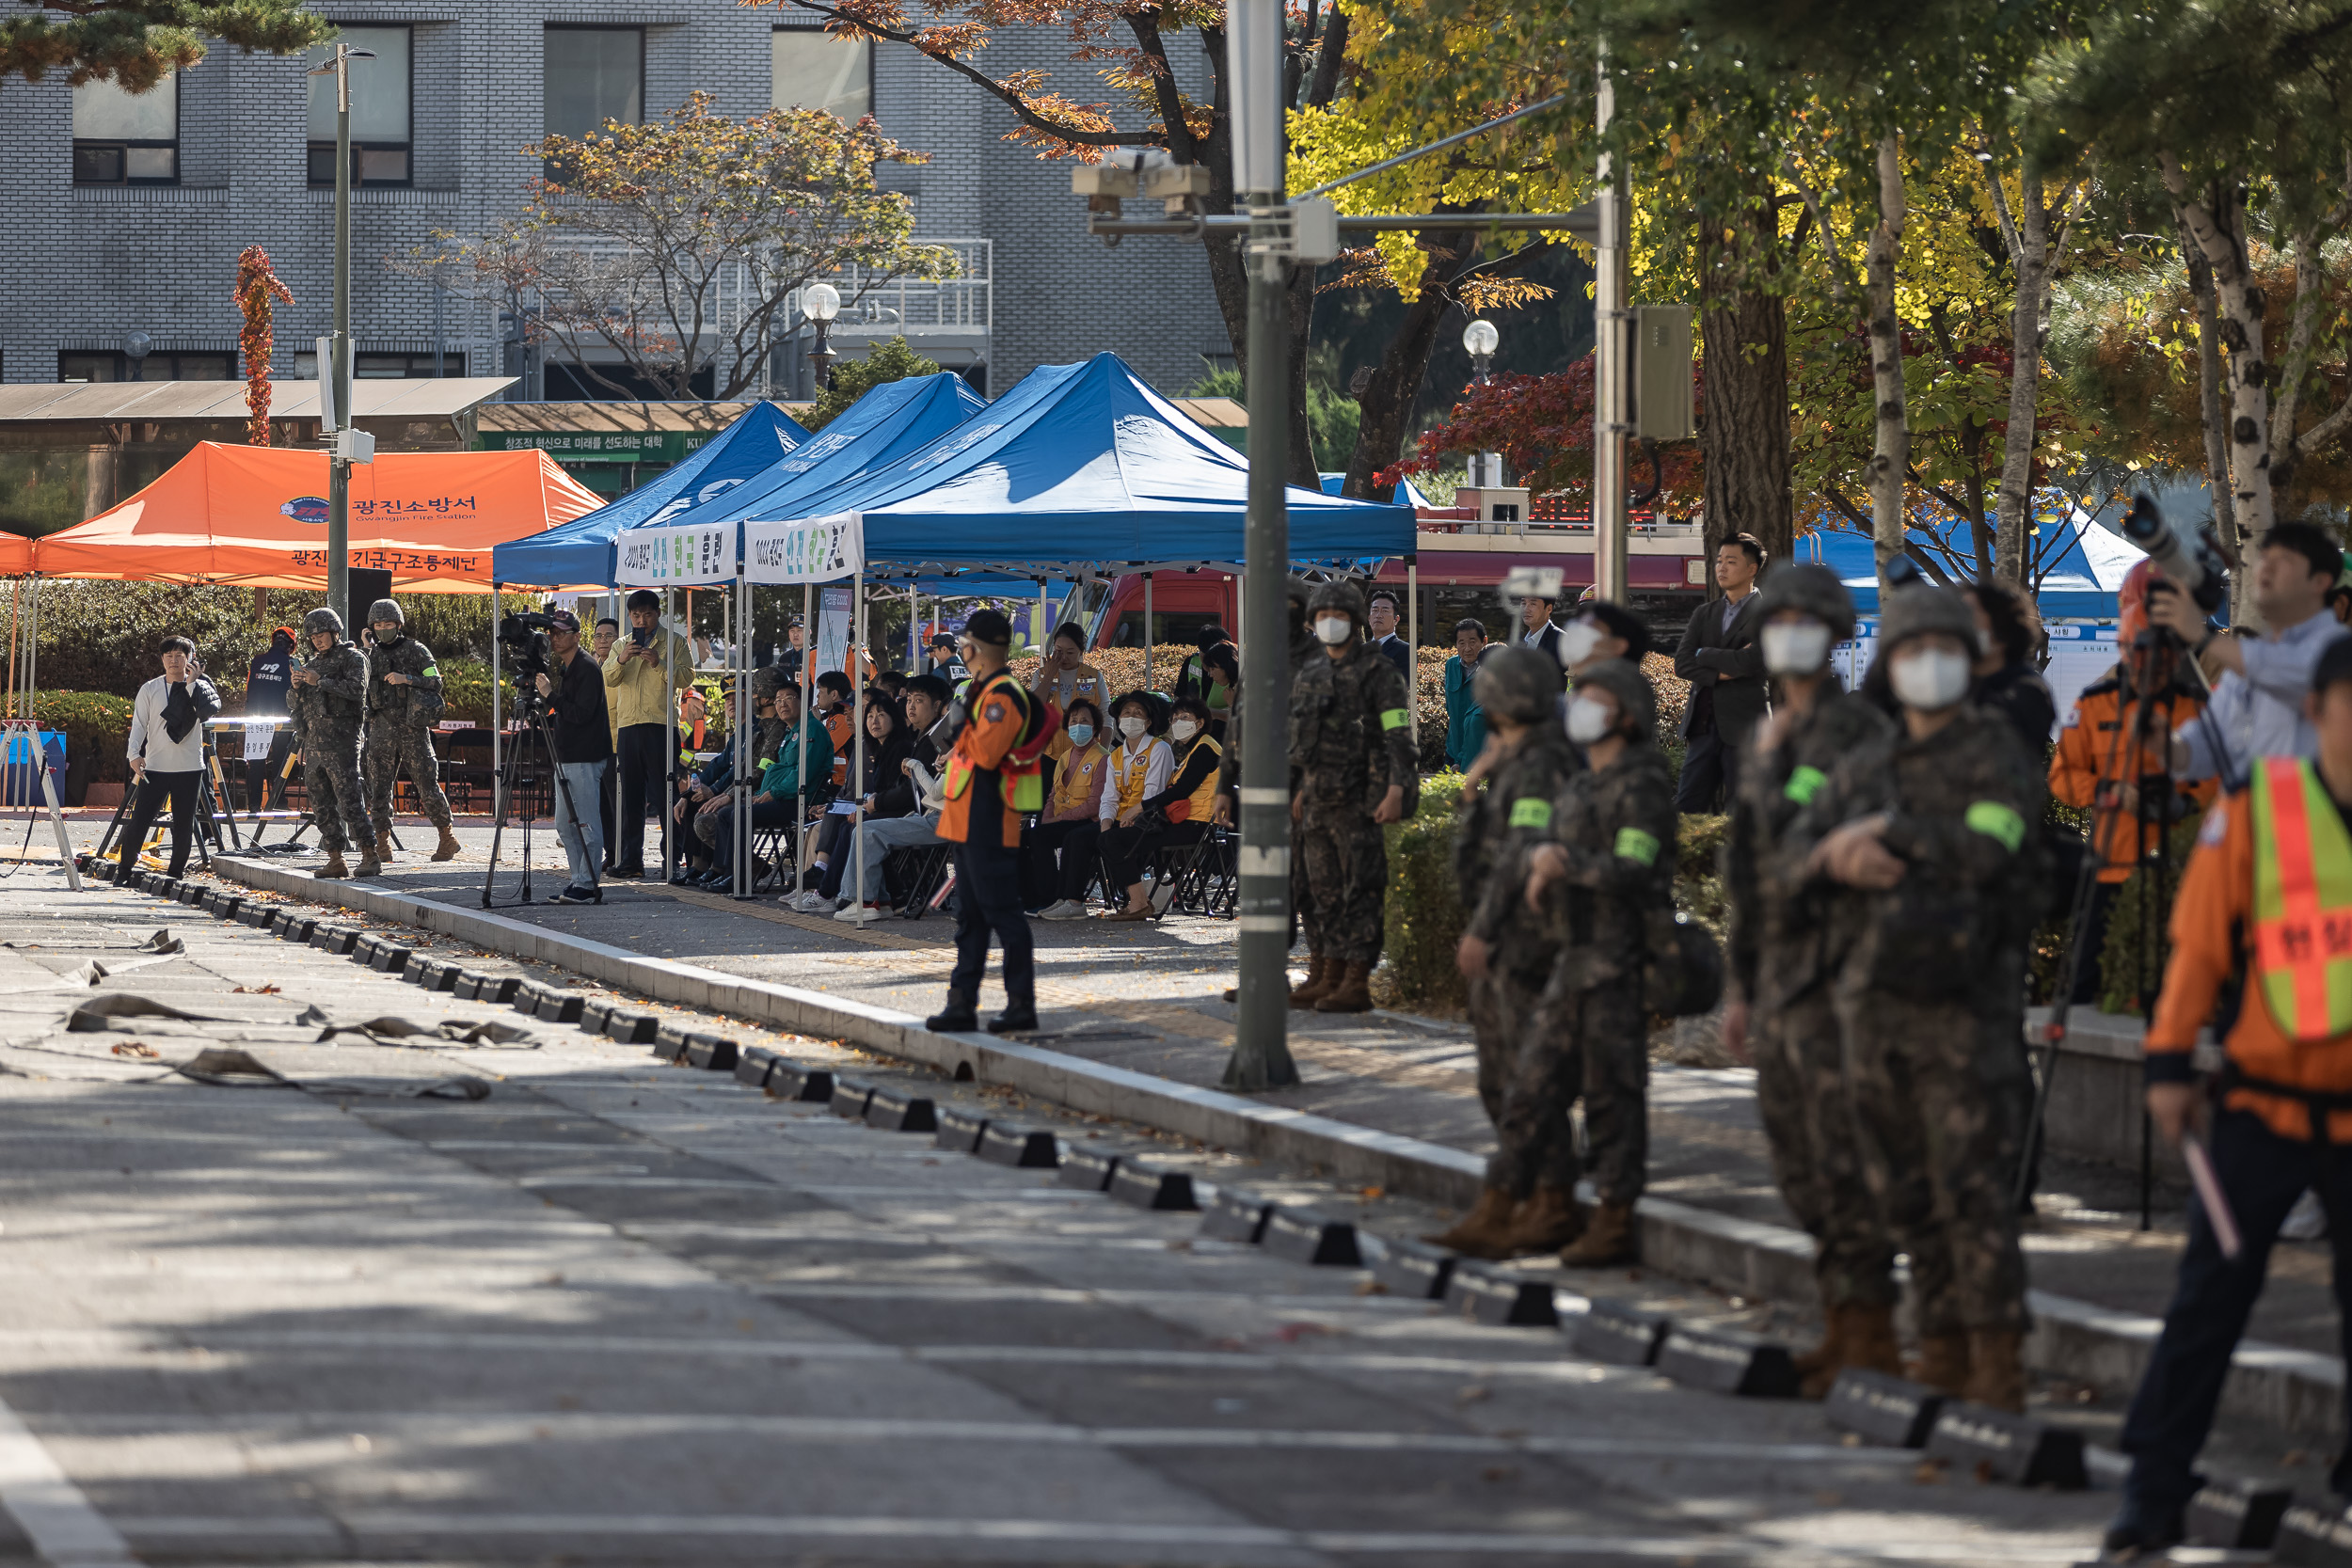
x: 642, y: 695
x: 2267, y: 896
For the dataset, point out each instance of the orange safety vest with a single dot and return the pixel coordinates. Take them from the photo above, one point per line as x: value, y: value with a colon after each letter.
x: 1202, y: 802
x: 1006, y: 734
x: 2302, y: 960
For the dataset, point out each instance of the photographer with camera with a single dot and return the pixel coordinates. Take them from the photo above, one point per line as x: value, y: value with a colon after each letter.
x: 644, y: 694
x: 574, y: 694
x: 2257, y: 705
x: 166, y: 750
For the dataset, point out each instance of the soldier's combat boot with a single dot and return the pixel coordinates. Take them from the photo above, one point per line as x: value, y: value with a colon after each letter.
x: 369, y: 866
x: 1864, y: 1336
x: 1607, y: 1239
x: 383, y: 850
x: 1943, y: 1362
x: 1020, y: 1015
x: 1485, y: 1231
x: 1319, y: 977
x: 448, y: 849
x: 960, y: 1016
x: 334, y: 866
x: 1350, y: 993
x: 1996, y: 1369
x: 1546, y: 1222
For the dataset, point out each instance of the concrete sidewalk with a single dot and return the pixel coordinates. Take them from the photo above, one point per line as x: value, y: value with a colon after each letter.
x: 1134, y: 1026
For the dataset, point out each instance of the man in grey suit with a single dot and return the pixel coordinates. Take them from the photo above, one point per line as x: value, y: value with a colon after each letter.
x: 1719, y: 657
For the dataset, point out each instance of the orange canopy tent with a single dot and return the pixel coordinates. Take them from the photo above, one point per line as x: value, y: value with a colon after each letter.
x: 256, y: 516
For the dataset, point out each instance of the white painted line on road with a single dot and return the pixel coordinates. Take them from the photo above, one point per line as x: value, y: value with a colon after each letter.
x: 63, y: 1526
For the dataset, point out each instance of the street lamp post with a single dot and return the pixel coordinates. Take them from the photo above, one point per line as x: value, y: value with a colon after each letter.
x: 821, y: 303
x: 339, y: 344
x: 1482, y: 339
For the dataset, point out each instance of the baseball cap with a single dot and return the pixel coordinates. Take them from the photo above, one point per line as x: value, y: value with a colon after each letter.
x: 565, y: 620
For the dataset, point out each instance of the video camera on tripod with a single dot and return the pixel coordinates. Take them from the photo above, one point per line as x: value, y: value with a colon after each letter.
x: 528, y: 656
x: 2196, y: 568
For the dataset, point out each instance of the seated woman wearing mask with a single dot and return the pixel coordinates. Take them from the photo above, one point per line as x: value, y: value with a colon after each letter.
x: 1173, y: 817
x: 1068, y: 826
x: 1140, y: 769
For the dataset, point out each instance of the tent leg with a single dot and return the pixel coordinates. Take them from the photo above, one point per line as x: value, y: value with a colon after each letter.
x: 744, y: 730
x: 1147, y: 631
x: 809, y: 687
x: 669, y: 761
x: 857, y: 746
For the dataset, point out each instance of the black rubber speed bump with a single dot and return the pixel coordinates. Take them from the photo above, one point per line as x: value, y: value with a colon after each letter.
x: 2015, y: 1448
x: 1147, y: 1186
x: 389, y: 956
x: 1501, y: 1298
x: 1414, y: 1270
x: 366, y: 947
x: 668, y: 1041
x: 1619, y: 1334
x: 1088, y: 1170
x: 434, y: 975
x: 1880, y: 1408
x: 467, y: 985
x: 849, y: 1098
x: 1024, y: 1147
x: 260, y: 916
x: 2314, y: 1535
x: 897, y: 1111
x: 595, y: 1014
x: 960, y: 1130
x: 1236, y: 1214
x: 2237, y: 1515
x: 1306, y: 1235
x: 190, y: 893
x: 1726, y: 1362
x: 525, y: 998
x: 296, y: 927
x: 336, y: 939
x: 798, y: 1081
x: 710, y: 1053
x: 561, y: 1006
x: 632, y: 1029
x: 751, y: 1067
x: 501, y: 989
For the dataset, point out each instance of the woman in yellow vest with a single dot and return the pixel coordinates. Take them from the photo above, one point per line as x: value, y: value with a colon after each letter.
x: 1171, y: 816
x: 1071, y: 821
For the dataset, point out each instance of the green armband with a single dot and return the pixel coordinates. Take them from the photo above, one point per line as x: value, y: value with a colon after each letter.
x: 1635, y: 844
x: 432, y: 672
x: 1804, y: 784
x: 1531, y: 813
x: 1394, y: 719
x: 1997, y: 822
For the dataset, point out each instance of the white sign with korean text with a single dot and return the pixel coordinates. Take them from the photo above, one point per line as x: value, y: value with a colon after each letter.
x: 806, y: 549
x: 669, y: 557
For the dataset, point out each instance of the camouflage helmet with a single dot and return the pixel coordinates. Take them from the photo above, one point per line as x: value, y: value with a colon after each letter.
x: 1339, y: 593
x: 1919, y: 611
x: 386, y: 610
x: 1517, y: 683
x: 322, y: 620
x: 1629, y: 687
x: 1814, y: 590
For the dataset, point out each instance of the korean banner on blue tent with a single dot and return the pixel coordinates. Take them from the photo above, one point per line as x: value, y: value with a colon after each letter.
x: 670, y: 557
x: 806, y: 549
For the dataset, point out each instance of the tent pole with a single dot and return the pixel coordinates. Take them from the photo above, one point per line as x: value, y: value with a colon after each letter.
x: 857, y: 747
x: 1044, y: 637
x: 1147, y: 631
x: 741, y: 827
x: 497, y: 775
x: 669, y: 761
x: 808, y: 686
x: 1412, y: 645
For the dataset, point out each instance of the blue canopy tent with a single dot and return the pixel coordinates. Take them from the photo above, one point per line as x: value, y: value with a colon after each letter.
x: 2078, y: 581
x: 581, y: 551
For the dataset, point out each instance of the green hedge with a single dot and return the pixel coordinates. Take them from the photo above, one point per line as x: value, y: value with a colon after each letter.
x: 97, y: 725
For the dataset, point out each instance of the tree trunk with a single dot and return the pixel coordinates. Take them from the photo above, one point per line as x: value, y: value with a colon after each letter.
x: 2209, y: 397
x: 2015, y: 506
x: 1304, y: 469
x: 1744, y: 427
x: 1890, y: 457
x: 2309, y: 282
x: 1386, y: 402
x: 2217, y: 226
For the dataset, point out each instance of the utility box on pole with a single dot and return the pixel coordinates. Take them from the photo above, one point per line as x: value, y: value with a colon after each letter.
x: 1662, y: 373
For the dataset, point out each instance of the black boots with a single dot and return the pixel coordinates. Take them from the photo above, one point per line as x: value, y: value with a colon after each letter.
x: 959, y: 1017
x: 1018, y: 1017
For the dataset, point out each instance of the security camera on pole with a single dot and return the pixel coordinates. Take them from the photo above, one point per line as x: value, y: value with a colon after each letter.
x: 346, y: 445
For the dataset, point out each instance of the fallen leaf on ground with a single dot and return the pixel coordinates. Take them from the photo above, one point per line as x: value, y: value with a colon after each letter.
x: 135, y: 1049
x: 253, y: 991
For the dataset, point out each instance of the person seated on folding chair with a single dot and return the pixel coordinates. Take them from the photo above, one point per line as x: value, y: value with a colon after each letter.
x: 792, y: 779
x: 706, y: 798
x: 887, y: 744
x: 1174, y: 811
x: 905, y: 813
x: 1069, y: 824
x: 834, y: 694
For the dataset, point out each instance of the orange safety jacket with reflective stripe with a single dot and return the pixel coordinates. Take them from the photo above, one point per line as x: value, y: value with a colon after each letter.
x: 2269, y: 887
x: 986, y: 785
x: 2090, y: 754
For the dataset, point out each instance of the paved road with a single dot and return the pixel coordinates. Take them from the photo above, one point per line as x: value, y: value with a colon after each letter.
x: 622, y: 1313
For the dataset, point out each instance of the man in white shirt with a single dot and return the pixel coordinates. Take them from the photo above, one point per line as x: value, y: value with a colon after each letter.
x: 166, y: 750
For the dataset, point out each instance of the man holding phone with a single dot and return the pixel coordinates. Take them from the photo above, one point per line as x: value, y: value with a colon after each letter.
x: 166, y: 750
x: 639, y: 685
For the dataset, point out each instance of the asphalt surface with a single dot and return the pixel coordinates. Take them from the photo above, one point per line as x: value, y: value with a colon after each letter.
x: 618, y: 1312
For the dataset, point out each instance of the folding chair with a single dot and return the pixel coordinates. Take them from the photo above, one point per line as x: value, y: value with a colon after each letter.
x: 1206, y: 877
x: 912, y: 874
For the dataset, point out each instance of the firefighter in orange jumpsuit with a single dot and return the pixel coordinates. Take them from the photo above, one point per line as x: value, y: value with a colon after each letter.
x: 991, y: 776
x: 2267, y: 895
x: 2124, y: 774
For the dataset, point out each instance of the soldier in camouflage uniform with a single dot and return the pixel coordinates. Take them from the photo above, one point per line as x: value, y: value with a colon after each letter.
x: 1789, y: 932
x: 1506, y: 954
x: 329, y: 706
x: 403, y: 700
x: 1353, y: 769
x: 1936, y: 826
x: 1608, y: 867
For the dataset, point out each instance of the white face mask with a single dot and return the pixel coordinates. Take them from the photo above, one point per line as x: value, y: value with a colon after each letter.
x: 1795, y: 648
x: 1589, y: 720
x: 1131, y: 726
x: 1334, y: 629
x: 1183, y: 729
x: 1931, y: 679
x: 1578, y: 639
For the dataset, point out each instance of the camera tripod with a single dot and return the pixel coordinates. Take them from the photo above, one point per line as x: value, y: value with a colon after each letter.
x: 540, y: 722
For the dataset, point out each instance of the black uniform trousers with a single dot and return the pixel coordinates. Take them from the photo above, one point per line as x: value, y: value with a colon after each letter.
x: 644, y: 752
x: 181, y: 789
x: 988, y: 899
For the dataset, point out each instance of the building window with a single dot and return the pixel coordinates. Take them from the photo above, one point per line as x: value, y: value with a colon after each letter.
x: 161, y: 365
x: 125, y: 139
x: 812, y: 68
x: 594, y: 75
x: 385, y: 367
x: 379, y: 110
